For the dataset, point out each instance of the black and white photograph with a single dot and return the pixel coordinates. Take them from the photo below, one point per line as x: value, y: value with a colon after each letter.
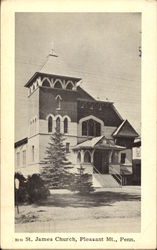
x: 78, y: 122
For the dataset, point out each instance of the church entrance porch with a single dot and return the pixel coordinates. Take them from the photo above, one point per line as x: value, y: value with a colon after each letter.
x: 100, y: 158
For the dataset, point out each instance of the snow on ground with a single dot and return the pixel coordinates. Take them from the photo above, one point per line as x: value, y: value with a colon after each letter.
x: 107, y: 210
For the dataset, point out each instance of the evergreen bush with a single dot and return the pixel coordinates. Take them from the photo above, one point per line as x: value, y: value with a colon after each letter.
x: 36, y: 188
x: 31, y: 189
x: 55, y: 171
x: 81, y: 182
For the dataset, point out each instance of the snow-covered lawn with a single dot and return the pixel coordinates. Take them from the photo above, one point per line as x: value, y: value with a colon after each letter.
x: 108, y: 210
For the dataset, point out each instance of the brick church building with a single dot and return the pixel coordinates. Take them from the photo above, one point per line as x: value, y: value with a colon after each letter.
x: 96, y: 136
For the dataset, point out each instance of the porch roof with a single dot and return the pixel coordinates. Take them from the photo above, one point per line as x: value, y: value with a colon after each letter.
x: 100, y: 142
x: 126, y: 170
x: 125, y: 130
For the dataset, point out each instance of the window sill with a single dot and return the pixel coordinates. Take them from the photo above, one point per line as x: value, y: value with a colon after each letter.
x: 86, y: 163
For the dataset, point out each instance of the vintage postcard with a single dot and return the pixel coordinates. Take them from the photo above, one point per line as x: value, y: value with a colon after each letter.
x: 78, y: 125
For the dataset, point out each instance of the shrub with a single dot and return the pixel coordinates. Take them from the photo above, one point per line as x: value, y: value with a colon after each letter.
x: 81, y: 182
x: 31, y: 189
x: 36, y: 188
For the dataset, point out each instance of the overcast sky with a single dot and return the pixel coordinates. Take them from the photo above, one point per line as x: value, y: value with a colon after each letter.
x: 102, y: 47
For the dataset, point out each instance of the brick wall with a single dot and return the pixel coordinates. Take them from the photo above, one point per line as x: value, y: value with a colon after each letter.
x: 48, y: 103
x: 106, y: 114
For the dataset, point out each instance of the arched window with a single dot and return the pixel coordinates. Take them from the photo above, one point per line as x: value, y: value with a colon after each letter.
x: 97, y: 129
x: 84, y: 128
x: 65, y: 125
x: 79, y: 157
x: 87, y: 157
x: 91, y: 127
x: 58, y: 124
x: 46, y: 83
x: 58, y: 85
x: 58, y: 102
x: 50, y: 124
x: 69, y: 86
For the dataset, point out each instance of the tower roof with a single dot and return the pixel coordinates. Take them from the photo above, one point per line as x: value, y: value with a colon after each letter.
x: 55, y: 66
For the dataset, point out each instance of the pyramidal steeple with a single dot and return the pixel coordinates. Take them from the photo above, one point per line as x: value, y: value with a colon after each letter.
x: 56, y: 66
x: 52, y: 51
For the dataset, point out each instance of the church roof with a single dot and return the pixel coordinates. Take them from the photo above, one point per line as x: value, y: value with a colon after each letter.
x: 55, y: 66
x: 21, y: 142
x: 125, y: 130
x: 83, y: 95
x: 100, y: 142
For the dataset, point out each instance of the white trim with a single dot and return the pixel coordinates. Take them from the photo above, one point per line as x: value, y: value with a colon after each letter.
x: 31, y: 88
x: 39, y: 81
x: 91, y: 117
x: 117, y: 130
x: 61, y: 118
x: 60, y: 81
x: 58, y: 99
x: 58, y: 96
x: 47, y: 117
x: 46, y: 78
x: 66, y: 116
x: 69, y: 82
x: 34, y: 86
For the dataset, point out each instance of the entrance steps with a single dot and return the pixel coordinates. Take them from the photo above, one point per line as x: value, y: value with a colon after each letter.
x: 105, y: 181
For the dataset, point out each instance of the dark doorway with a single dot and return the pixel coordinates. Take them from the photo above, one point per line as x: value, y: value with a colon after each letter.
x: 98, y: 160
x: 101, y: 161
x: 105, y: 162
